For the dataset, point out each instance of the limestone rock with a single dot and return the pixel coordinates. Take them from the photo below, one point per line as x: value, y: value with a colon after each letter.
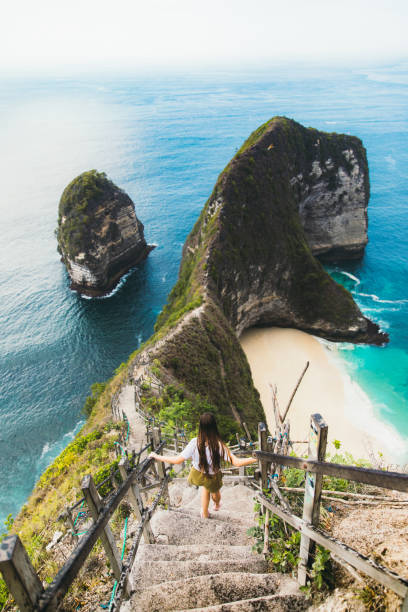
x: 332, y: 191
x: 288, y: 193
x: 99, y: 236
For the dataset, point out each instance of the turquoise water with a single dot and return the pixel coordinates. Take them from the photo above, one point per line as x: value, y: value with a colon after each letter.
x: 164, y: 140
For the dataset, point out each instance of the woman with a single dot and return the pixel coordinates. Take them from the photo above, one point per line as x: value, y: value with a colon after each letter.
x: 206, y: 452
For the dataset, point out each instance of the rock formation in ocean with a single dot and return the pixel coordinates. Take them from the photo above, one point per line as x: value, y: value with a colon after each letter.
x: 99, y: 236
x: 249, y: 261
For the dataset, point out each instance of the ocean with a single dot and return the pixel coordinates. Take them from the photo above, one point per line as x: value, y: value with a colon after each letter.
x: 164, y: 139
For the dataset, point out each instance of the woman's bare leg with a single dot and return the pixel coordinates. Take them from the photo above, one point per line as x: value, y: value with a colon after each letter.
x: 205, y: 500
x: 216, y: 497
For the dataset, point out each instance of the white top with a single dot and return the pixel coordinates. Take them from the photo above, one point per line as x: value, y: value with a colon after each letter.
x: 191, y: 452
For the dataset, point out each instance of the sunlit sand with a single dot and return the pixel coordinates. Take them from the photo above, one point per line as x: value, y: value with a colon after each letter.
x: 278, y: 356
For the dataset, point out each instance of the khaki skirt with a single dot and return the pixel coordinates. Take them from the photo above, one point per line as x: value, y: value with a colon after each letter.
x: 211, y: 483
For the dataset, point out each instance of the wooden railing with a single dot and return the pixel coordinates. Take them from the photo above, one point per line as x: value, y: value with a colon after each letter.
x: 315, y: 467
x: 22, y: 579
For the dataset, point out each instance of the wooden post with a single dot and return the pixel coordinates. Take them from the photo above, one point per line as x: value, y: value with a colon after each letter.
x: 275, y: 404
x: 313, y: 489
x: 266, y: 533
x: 113, y: 478
x: 94, y: 504
x: 262, y: 437
x: 244, y: 425
x: 18, y: 573
x: 294, y: 391
x: 71, y: 522
x: 160, y: 466
x: 136, y: 502
x: 176, y: 444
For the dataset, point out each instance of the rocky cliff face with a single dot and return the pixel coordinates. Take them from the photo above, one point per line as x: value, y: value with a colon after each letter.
x: 289, y: 192
x: 332, y: 191
x: 99, y: 236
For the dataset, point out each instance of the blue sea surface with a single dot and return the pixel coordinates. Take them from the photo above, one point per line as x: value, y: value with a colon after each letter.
x: 164, y: 140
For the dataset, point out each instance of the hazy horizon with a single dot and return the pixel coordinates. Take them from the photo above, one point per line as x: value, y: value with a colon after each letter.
x: 168, y: 35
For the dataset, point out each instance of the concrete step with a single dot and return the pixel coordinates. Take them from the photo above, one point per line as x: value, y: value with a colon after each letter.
x: 203, y: 591
x: 234, y: 498
x: 277, y: 603
x: 239, y: 518
x: 177, y: 528
x: 195, y: 552
x: 147, y: 574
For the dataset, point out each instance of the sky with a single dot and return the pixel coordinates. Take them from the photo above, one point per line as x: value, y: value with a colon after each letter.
x: 78, y: 34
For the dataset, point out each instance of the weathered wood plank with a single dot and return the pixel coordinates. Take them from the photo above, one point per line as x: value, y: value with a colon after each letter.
x: 262, y: 441
x: 248, y: 433
x: 18, y: 573
x: 313, y: 490
x: 94, y: 504
x: 136, y: 502
x: 386, y: 480
x: 294, y: 391
x: 383, y: 575
x: 51, y: 598
x: 161, y: 469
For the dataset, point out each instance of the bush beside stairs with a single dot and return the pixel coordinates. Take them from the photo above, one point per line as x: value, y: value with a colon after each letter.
x: 207, y: 564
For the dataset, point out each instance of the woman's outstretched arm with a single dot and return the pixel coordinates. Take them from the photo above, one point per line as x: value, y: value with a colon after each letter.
x: 237, y: 462
x: 165, y: 459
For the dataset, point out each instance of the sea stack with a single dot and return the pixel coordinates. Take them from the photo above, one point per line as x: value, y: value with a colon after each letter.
x: 99, y: 236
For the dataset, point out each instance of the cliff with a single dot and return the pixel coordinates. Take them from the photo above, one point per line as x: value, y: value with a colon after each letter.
x: 99, y: 236
x: 252, y: 248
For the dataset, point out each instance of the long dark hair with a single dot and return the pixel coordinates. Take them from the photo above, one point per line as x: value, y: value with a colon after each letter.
x: 208, y: 436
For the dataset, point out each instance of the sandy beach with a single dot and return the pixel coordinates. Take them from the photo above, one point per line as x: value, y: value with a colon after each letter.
x: 278, y: 356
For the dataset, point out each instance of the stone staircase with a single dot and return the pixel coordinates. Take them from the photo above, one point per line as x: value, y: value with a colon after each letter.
x: 207, y: 564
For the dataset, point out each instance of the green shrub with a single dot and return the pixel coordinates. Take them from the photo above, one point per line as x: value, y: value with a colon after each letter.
x: 4, y: 594
x: 96, y: 391
x: 103, y: 473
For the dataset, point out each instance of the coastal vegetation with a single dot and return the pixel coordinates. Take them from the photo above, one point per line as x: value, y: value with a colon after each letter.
x: 74, y: 207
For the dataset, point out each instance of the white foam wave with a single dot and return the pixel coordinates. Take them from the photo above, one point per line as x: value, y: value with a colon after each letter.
x: 114, y: 291
x: 45, y: 450
x: 349, y: 275
x: 335, y: 346
x: 375, y: 298
x: 362, y: 414
x: 366, y: 310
